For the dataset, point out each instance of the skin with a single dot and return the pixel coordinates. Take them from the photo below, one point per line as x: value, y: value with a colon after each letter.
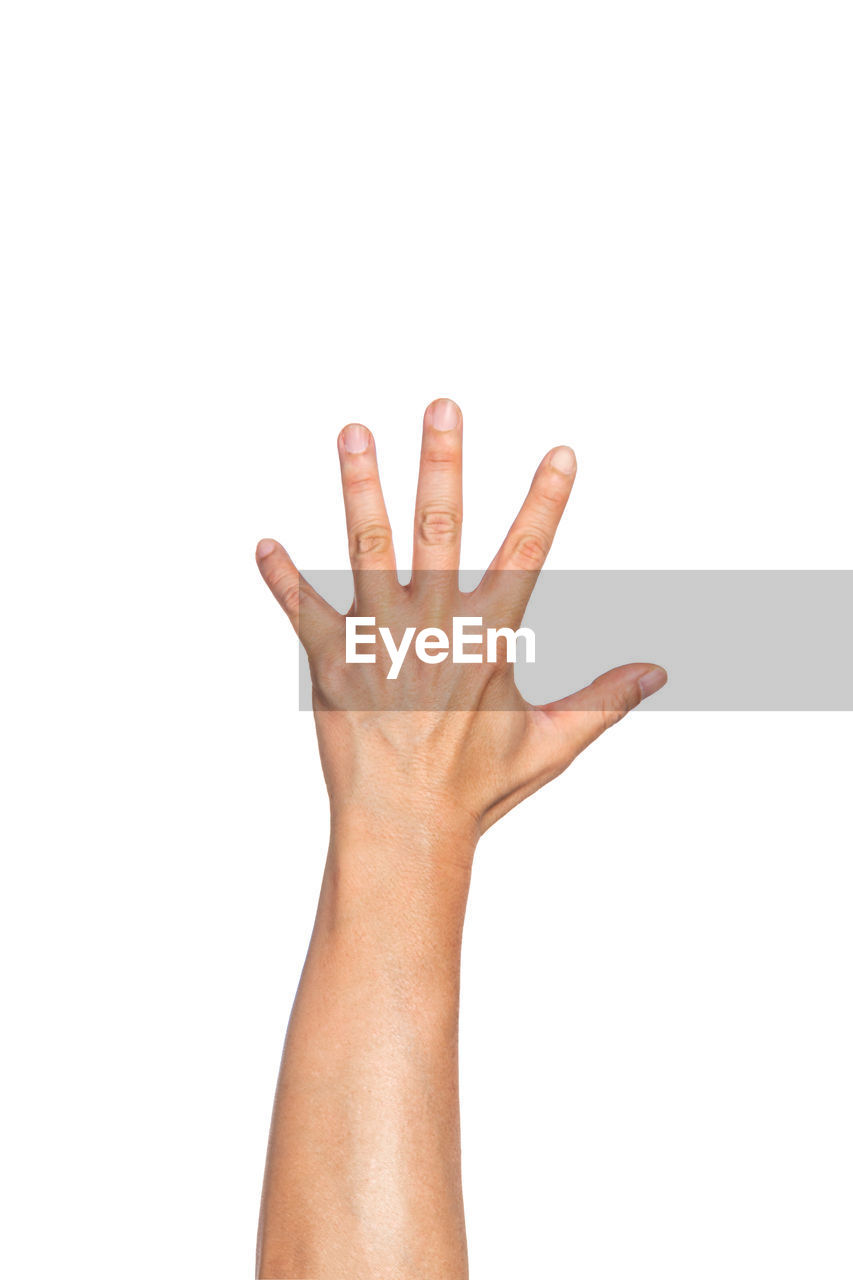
x: 363, y: 1166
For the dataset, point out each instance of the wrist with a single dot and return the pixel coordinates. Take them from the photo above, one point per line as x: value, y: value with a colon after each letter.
x: 409, y: 838
x: 394, y: 894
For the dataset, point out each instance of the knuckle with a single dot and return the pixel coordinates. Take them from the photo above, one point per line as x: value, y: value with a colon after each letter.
x: 531, y: 549
x: 361, y: 484
x: 550, y: 499
x: 286, y: 590
x: 611, y: 713
x: 614, y: 708
x: 441, y: 456
x: 438, y: 525
x: 369, y: 540
x: 290, y: 599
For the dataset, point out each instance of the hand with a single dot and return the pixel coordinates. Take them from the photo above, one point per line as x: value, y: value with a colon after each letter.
x: 451, y: 742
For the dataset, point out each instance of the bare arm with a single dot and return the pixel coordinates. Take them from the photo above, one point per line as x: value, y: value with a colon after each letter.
x: 363, y: 1169
x: 363, y: 1175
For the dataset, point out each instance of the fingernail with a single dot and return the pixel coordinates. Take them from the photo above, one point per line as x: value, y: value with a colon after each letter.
x: 444, y: 415
x: 563, y: 460
x: 265, y: 547
x: 355, y: 438
x: 652, y: 681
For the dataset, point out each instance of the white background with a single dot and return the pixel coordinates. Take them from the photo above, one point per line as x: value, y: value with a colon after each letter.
x: 228, y: 230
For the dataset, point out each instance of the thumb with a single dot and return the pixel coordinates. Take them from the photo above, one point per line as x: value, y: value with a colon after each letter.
x: 584, y: 716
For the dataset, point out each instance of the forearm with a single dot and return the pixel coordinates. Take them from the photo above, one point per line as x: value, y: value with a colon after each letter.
x: 363, y: 1171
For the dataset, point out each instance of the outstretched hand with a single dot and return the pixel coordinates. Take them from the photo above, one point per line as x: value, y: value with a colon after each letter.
x: 421, y: 744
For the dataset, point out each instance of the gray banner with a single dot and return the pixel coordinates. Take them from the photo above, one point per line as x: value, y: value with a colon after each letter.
x: 731, y: 640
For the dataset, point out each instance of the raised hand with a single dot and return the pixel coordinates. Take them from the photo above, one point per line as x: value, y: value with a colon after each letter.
x: 422, y: 732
